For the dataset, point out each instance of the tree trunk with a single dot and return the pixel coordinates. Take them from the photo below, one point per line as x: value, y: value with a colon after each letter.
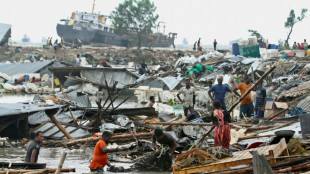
x: 288, y: 36
x: 139, y: 40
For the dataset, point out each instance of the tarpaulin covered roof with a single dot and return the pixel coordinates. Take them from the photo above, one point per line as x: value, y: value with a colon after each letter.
x: 17, y: 68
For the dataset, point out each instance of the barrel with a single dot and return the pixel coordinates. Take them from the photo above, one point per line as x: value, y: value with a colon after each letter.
x: 235, y: 49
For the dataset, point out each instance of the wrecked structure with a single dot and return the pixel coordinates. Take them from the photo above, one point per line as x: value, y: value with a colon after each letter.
x: 87, y: 100
x: 5, y: 33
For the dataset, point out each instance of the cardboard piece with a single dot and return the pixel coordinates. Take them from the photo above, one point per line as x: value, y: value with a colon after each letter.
x: 272, y: 108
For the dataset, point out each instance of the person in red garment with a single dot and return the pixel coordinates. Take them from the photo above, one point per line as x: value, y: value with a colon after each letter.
x: 221, y: 121
x: 100, y: 158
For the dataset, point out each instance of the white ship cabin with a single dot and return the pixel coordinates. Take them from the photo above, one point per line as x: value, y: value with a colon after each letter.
x: 81, y: 20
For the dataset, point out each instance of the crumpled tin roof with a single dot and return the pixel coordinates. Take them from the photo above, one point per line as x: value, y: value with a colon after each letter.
x: 50, y: 130
x: 305, y: 104
x: 11, y: 109
x: 17, y: 68
x: 4, y: 28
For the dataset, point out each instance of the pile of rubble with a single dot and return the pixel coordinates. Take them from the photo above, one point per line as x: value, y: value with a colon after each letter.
x: 85, y: 100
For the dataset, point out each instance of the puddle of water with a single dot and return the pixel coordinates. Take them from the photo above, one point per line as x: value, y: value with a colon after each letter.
x: 76, y: 158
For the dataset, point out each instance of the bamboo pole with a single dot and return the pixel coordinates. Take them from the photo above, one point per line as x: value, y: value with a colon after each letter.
x: 251, y: 88
x: 252, y: 137
x: 205, y: 135
x: 92, y: 139
x: 61, y: 162
x: 50, y: 114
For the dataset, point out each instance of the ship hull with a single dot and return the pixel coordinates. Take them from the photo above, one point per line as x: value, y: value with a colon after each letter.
x: 88, y: 36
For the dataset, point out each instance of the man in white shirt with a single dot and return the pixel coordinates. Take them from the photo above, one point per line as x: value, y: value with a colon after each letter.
x: 189, y: 95
x: 77, y: 59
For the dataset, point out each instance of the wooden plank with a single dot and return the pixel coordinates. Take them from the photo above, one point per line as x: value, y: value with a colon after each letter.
x: 280, y: 148
x: 239, y: 158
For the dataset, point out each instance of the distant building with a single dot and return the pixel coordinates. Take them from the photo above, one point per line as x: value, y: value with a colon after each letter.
x: 5, y: 33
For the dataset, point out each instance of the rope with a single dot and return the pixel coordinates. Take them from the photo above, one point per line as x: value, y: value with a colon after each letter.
x: 163, y: 150
x: 219, y: 152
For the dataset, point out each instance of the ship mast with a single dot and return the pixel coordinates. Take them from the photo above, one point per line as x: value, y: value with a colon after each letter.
x: 93, y: 7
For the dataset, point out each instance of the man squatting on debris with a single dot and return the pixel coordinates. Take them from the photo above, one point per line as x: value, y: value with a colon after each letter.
x: 189, y: 97
x: 100, y: 158
x: 33, y: 149
x: 151, y: 102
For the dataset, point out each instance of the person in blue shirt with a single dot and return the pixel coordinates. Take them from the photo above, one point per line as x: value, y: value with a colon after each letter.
x: 219, y: 92
x: 260, y: 102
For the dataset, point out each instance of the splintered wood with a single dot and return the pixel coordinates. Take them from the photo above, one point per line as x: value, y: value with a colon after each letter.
x: 238, y: 158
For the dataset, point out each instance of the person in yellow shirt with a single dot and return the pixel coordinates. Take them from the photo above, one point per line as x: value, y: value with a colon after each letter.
x: 246, y: 105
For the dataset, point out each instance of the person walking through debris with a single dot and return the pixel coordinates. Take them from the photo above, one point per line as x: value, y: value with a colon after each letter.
x: 32, y: 138
x: 151, y: 102
x: 305, y: 45
x: 298, y: 46
x: 100, y: 158
x: 246, y: 105
x: 143, y: 68
x: 260, y: 102
x: 189, y: 97
x: 151, y: 42
x: 33, y: 148
x: 198, y: 43
x: 77, y: 59
x: 295, y: 46
x: 214, y: 44
x: 222, y: 129
x: 219, y: 92
x: 51, y: 43
x: 194, y: 48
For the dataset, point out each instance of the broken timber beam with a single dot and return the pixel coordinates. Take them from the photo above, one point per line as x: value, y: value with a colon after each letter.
x: 50, y: 114
x: 251, y: 88
x: 37, y: 171
x: 92, y: 139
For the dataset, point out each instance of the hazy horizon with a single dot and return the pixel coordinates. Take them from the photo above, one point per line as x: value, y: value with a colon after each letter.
x: 223, y: 20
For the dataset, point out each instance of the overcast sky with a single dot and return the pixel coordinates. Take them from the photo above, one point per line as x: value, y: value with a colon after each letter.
x: 224, y: 20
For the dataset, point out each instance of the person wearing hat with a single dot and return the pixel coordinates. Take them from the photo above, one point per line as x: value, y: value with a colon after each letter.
x: 219, y: 91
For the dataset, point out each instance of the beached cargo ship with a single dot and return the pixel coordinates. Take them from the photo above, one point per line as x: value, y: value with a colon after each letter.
x: 93, y: 28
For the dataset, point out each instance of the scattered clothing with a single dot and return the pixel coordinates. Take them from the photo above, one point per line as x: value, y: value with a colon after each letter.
x: 193, y: 116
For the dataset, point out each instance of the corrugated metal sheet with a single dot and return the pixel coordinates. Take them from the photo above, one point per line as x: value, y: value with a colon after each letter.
x: 41, y: 117
x: 305, y: 104
x: 171, y: 82
x: 10, y: 109
x: 80, y: 100
x: 17, y: 68
x: 4, y: 28
x: 99, y: 76
x: 50, y: 130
